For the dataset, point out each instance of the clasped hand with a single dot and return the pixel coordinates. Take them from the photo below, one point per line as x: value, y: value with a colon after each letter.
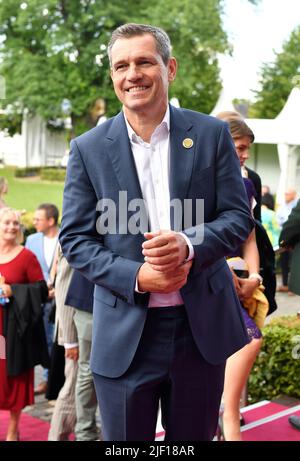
x: 165, y: 269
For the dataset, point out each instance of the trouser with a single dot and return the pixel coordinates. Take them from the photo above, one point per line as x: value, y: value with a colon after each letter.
x: 49, y: 331
x: 85, y: 395
x: 64, y: 415
x: 285, y: 266
x: 167, y: 370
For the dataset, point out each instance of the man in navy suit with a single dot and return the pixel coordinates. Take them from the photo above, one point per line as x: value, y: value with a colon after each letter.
x: 166, y: 315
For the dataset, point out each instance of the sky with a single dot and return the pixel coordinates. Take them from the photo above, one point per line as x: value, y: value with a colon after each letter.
x: 255, y: 32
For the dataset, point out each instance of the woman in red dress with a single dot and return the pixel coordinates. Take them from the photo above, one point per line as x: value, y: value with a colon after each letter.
x: 17, y: 266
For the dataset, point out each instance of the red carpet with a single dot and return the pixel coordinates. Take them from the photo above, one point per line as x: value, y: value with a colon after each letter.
x: 265, y: 421
x: 31, y: 429
x: 261, y: 410
x: 269, y: 422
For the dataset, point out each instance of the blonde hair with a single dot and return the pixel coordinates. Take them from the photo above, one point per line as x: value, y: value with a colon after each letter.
x: 237, y: 125
x: 7, y: 210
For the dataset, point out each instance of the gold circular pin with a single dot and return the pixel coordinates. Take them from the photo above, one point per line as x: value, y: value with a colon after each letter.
x: 187, y: 143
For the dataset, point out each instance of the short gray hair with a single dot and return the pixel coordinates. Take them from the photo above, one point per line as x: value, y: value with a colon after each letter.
x: 163, y: 43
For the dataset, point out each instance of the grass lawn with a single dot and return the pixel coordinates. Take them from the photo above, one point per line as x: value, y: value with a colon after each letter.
x: 28, y: 193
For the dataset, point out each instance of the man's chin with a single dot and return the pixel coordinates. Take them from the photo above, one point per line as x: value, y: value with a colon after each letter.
x: 136, y: 106
x: 136, y: 102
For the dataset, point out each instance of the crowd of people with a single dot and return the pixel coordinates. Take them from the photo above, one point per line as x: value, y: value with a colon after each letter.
x: 177, y: 315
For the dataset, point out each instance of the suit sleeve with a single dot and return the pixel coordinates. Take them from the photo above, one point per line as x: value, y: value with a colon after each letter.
x: 81, y: 244
x: 67, y: 332
x: 232, y: 222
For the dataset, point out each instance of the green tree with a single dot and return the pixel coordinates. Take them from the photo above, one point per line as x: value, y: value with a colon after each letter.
x: 55, y: 50
x: 196, y: 32
x: 278, y: 78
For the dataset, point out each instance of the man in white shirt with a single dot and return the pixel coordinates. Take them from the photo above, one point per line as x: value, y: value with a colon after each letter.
x: 165, y: 314
x: 43, y: 244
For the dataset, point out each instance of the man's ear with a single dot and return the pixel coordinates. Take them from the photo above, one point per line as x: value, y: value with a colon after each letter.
x: 172, y: 69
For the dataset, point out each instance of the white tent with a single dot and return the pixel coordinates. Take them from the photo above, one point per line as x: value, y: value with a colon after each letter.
x: 283, y: 132
x: 35, y: 146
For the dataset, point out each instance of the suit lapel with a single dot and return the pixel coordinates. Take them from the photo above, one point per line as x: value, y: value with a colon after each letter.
x: 181, y: 158
x: 122, y: 159
x: 120, y: 153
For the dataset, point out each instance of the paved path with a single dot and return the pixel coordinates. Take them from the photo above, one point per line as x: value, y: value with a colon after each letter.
x: 287, y: 305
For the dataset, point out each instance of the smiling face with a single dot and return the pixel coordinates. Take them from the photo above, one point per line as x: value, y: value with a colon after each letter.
x: 140, y: 77
x: 242, y: 147
x: 9, y: 227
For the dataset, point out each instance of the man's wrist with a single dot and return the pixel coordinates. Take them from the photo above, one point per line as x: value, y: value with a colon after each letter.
x: 136, y: 288
x: 256, y: 276
x: 190, y: 248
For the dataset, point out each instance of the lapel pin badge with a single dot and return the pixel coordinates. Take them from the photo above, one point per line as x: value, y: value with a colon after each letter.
x: 187, y: 143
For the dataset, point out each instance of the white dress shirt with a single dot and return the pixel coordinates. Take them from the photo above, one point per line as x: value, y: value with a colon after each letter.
x: 49, y: 249
x: 152, y: 165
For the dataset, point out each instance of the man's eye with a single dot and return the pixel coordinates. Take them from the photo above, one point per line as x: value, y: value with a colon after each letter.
x: 120, y: 66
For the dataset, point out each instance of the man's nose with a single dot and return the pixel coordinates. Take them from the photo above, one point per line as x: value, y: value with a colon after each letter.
x: 133, y: 72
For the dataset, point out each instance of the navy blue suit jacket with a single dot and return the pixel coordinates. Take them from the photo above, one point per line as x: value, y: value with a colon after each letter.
x: 101, y: 164
x: 80, y: 293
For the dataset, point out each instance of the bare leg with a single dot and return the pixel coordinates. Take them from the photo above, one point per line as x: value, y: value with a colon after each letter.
x: 237, y: 370
x: 13, y: 426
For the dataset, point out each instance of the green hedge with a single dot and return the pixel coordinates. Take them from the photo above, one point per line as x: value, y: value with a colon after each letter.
x: 53, y: 174
x: 27, y: 172
x: 27, y: 224
x: 277, y: 368
x: 45, y: 173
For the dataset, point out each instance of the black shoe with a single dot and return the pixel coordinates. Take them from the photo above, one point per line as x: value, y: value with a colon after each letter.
x: 295, y: 421
x: 242, y: 420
